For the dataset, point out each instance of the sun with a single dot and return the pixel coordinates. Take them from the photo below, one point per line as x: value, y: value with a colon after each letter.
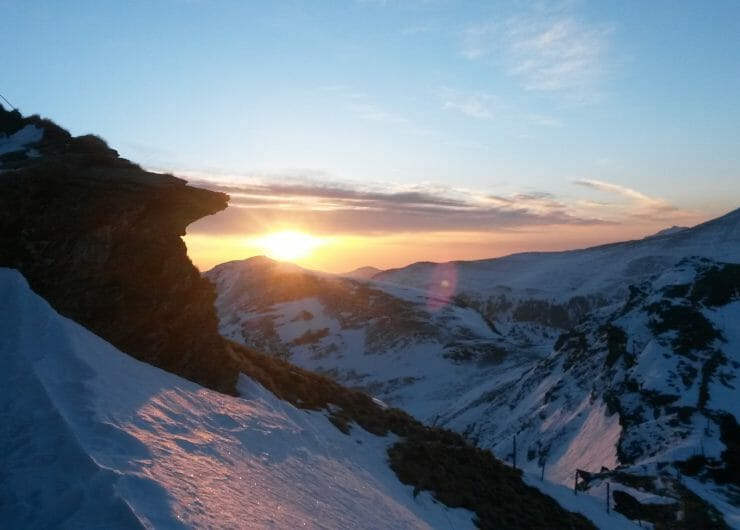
x: 287, y: 245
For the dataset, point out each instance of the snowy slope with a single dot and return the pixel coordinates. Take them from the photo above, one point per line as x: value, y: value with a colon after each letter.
x: 392, y: 343
x: 94, y: 438
x: 645, y: 387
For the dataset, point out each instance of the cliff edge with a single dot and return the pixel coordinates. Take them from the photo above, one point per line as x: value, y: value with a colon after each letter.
x: 99, y: 238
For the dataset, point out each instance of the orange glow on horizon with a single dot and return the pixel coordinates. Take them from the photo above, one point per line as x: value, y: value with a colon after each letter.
x: 345, y: 252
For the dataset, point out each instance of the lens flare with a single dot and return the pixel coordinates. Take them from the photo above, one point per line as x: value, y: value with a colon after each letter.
x: 442, y: 285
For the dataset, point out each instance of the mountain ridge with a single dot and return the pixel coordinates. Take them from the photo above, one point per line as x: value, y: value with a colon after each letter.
x: 732, y: 215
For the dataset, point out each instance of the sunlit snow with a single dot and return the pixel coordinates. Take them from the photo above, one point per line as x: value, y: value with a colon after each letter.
x: 95, y: 438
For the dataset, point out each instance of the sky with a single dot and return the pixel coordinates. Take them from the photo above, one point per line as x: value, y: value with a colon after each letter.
x: 395, y: 131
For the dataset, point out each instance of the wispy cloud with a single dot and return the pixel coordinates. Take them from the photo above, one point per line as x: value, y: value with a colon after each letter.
x: 482, y: 105
x: 479, y: 105
x: 639, y: 204
x: 332, y: 207
x: 548, y: 47
x: 624, y: 191
x: 361, y: 105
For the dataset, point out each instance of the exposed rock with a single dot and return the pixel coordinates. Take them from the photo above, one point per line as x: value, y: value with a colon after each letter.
x: 99, y: 238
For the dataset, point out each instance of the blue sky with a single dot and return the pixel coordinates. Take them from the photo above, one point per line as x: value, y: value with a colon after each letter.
x: 624, y: 113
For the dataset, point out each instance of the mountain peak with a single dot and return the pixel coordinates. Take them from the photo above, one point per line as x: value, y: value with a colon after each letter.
x: 362, y: 273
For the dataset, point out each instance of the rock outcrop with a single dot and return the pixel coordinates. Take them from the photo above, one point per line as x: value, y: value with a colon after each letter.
x: 99, y: 238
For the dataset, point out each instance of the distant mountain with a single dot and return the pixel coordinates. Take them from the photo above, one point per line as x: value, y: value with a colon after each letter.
x: 599, y: 274
x: 602, y: 357
x: 363, y: 273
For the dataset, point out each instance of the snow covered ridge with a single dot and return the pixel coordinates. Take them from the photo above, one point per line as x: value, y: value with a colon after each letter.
x: 97, y: 438
x: 600, y: 273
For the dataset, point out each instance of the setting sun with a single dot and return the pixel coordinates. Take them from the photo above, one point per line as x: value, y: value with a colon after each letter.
x: 287, y: 245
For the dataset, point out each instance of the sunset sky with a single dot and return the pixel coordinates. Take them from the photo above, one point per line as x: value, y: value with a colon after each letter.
x: 392, y: 131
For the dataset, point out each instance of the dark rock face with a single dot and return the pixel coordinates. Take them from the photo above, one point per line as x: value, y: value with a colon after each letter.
x: 99, y: 238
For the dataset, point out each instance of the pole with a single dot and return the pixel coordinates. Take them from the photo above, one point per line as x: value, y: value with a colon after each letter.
x: 12, y: 107
x: 608, y: 494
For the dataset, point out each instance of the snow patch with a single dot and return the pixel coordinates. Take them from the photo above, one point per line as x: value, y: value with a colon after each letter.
x: 20, y: 139
x: 595, y: 441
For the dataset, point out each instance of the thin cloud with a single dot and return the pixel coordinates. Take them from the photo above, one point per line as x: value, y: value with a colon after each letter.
x: 360, y: 104
x: 478, y: 105
x: 344, y: 208
x: 624, y: 192
x: 548, y: 48
x: 640, y: 205
x: 482, y: 105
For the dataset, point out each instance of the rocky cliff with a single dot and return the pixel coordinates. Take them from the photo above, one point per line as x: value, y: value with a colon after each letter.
x: 99, y: 238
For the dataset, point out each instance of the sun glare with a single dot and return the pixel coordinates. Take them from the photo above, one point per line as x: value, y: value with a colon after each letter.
x: 287, y: 245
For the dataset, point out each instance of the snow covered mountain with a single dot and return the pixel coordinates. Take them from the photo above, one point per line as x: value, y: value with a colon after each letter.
x: 573, y: 280
x: 649, y: 386
x: 387, y: 341
x: 575, y: 352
